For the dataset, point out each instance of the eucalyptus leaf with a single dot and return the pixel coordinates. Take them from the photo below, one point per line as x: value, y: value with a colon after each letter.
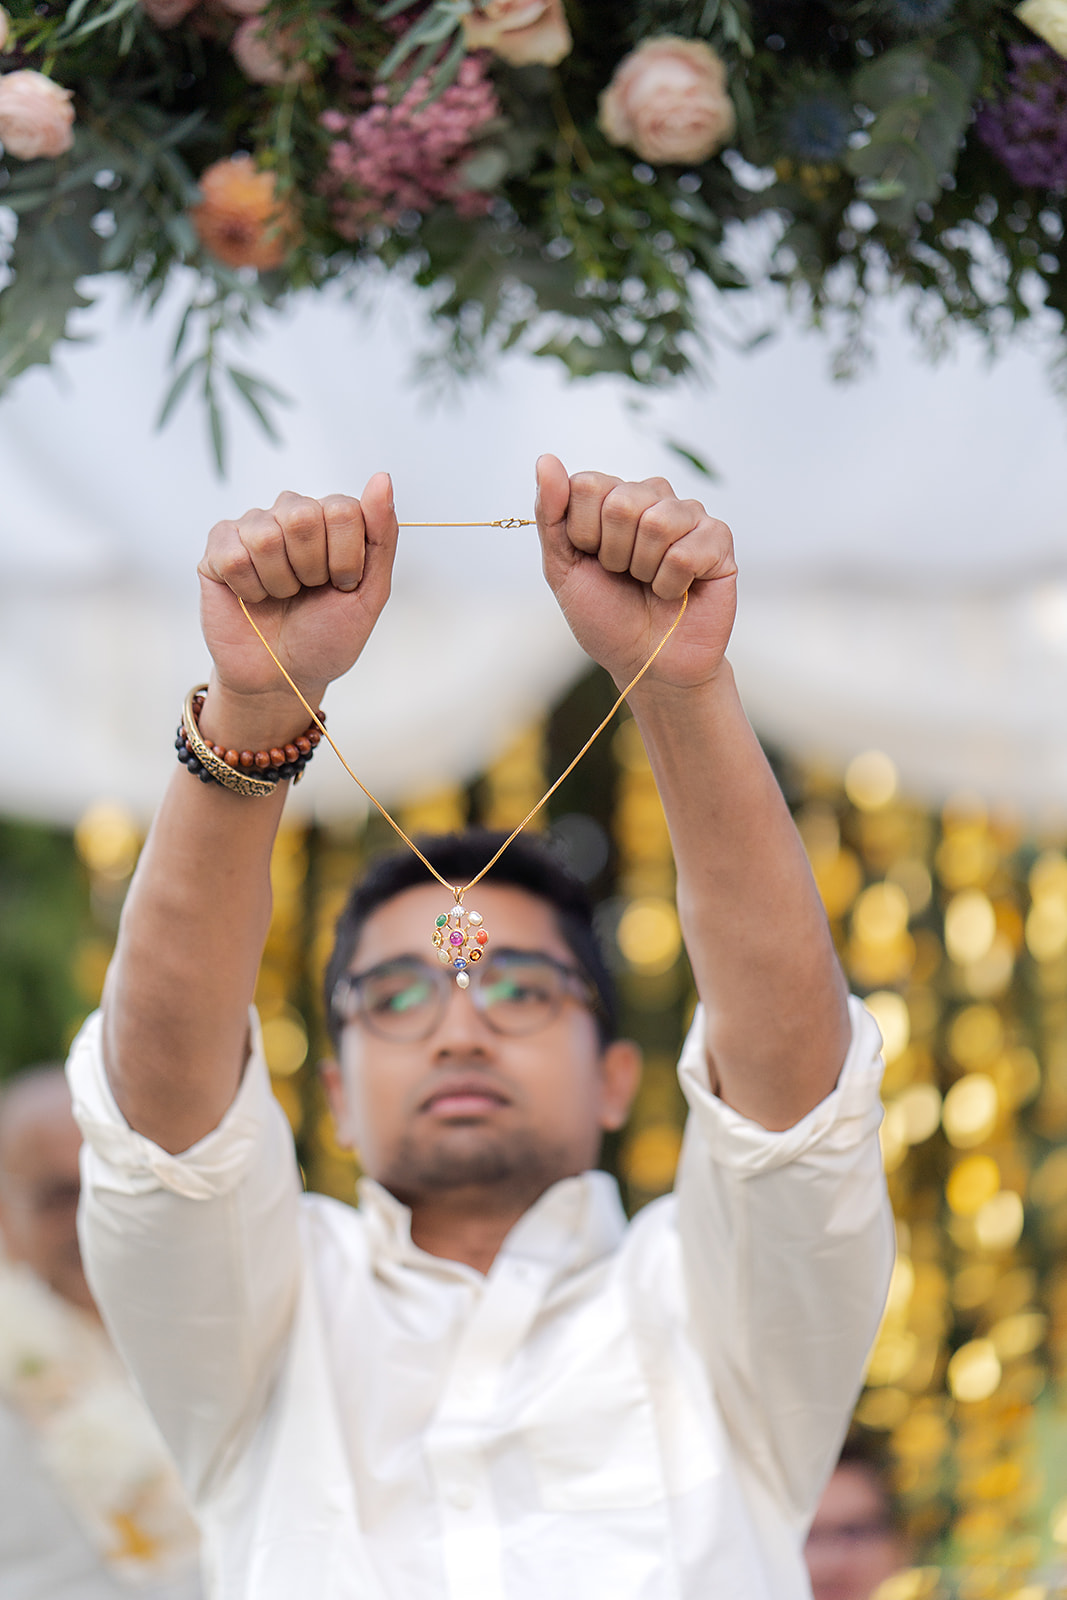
x: 251, y: 381
x: 216, y: 426
x: 246, y: 387
x: 177, y: 389
x: 34, y: 311
x: 394, y: 8
x: 119, y: 8
x: 115, y: 250
x: 485, y: 169
x: 699, y: 462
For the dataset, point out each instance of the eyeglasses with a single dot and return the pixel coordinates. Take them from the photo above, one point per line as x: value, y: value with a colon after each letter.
x: 516, y: 992
x: 849, y: 1534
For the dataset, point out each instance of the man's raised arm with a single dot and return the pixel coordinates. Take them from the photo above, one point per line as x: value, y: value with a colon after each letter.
x: 757, y: 938
x: 316, y: 575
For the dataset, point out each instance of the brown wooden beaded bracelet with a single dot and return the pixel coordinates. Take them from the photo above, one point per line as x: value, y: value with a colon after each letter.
x: 244, y: 772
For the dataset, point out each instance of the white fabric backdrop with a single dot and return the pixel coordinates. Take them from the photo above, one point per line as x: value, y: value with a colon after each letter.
x: 902, y: 543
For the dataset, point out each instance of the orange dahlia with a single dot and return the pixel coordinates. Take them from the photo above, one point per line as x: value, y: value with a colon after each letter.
x: 240, y: 218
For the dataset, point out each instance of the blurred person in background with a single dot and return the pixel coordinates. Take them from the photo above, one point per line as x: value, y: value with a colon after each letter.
x: 856, y: 1540
x: 92, y: 1506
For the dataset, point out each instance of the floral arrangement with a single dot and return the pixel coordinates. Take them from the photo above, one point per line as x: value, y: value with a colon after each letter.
x: 92, y: 1432
x: 556, y: 174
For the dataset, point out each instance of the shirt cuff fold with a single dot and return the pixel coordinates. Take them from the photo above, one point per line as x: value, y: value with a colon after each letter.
x: 850, y: 1113
x: 126, y: 1162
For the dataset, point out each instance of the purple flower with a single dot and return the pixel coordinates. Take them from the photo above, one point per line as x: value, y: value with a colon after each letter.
x: 410, y: 156
x: 1027, y: 129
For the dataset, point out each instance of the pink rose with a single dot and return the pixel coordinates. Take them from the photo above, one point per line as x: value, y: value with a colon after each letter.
x: 520, y: 32
x: 36, y: 116
x: 261, y: 53
x: 668, y: 103
x: 167, y: 13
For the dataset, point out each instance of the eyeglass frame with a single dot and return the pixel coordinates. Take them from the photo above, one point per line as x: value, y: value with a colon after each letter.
x: 584, y: 991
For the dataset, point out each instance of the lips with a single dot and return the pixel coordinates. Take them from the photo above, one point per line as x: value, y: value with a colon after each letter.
x: 463, y: 1096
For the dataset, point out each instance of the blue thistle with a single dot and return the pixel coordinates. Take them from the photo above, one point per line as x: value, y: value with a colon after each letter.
x: 815, y: 127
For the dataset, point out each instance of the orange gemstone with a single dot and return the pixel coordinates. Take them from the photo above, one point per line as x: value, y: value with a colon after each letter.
x: 481, y: 936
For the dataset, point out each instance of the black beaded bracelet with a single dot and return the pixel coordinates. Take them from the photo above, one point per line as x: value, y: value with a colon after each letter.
x: 244, y: 772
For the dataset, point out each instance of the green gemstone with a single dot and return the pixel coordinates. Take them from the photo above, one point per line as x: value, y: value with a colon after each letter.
x: 441, y: 921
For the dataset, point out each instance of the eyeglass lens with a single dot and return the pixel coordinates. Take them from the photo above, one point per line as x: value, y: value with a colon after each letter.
x: 516, y: 992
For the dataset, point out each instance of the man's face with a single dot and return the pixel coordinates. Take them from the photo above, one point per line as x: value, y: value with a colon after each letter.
x: 39, y: 1144
x: 852, y: 1547
x: 469, y: 1107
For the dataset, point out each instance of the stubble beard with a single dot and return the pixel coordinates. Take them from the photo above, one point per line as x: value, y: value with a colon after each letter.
x: 495, y: 1170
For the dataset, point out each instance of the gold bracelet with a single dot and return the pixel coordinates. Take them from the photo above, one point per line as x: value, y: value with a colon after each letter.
x: 219, y: 771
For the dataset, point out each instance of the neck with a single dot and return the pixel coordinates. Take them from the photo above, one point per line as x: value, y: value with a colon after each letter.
x: 468, y: 1225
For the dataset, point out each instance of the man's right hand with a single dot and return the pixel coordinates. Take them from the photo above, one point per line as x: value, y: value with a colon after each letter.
x: 315, y: 574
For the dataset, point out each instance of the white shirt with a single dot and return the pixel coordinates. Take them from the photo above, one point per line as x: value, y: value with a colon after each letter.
x: 642, y: 1411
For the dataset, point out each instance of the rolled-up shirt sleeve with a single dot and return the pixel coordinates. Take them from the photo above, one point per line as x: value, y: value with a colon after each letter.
x: 787, y: 1245
x: 194, y: 1259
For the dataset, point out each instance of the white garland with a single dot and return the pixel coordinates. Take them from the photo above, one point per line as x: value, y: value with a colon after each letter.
x: 105, y: 1456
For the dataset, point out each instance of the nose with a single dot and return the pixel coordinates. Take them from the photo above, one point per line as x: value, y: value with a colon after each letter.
x: 462, y: 1031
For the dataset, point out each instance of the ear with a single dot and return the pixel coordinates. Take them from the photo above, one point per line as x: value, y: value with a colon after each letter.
x: 620, y: 1074
x: 333, y: 1082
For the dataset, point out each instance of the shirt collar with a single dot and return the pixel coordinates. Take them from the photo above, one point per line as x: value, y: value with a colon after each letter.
x: 575, y: 1223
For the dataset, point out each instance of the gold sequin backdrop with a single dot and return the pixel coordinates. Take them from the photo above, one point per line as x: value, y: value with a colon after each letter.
x: 954, y: 927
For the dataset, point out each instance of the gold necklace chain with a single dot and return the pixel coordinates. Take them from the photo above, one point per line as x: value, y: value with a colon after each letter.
x: 463, y: 929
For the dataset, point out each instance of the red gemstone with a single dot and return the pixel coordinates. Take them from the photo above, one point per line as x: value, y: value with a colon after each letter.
x: 481, y: 936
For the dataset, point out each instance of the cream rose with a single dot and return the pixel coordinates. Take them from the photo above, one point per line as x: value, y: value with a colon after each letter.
x: 4, y: 28
x: 36, y: 116
x: 1048, y: 18
x: 262, y: 54
x: 668, y: 103
x: 521, y: 32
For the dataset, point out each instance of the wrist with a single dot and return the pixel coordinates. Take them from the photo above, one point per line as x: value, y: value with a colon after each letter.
x: 257, y: 720
x: 665, y: 695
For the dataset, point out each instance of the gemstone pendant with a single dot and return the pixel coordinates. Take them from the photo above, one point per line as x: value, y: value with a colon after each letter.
x: 460, y: 940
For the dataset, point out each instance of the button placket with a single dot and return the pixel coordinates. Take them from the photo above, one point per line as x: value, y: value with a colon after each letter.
x: 455, y: 1442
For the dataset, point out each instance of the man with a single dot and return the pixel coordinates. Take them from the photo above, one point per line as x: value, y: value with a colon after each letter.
x: 856, y: 1541
x: 484, y: 1384
x: 91, y: 1501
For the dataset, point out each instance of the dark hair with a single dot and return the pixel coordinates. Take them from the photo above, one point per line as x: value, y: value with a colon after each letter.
x: 526, y: 864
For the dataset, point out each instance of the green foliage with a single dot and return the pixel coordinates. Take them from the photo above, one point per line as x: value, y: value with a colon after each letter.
x: 570, y: 247
x: 43, y: 915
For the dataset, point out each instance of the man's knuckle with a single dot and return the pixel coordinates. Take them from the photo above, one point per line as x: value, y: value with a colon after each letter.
x: 660, y: 524
x: 341, y: 508
x: 586, y: 485
x: 627, y: 500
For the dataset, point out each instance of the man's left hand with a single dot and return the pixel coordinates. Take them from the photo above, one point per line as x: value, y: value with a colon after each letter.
x: 619, y: 557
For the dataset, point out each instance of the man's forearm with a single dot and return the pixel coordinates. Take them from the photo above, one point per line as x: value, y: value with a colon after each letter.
x: 176, y: 1002
x: 757, y: 937
x: 192, y: 934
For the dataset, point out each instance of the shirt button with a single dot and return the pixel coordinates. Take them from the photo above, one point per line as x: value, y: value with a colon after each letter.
x: 462, y: 1497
